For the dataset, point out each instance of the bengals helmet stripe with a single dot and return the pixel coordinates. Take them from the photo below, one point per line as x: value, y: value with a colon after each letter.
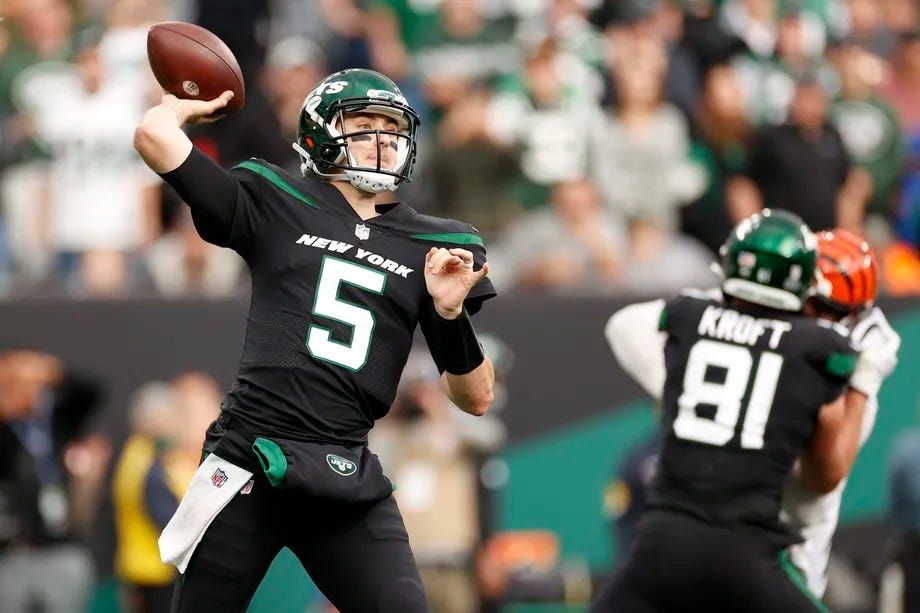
x: 849, y: 271
x: 823, y: 260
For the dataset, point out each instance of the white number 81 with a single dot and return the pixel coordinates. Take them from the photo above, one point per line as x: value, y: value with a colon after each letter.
x: 726, y: 396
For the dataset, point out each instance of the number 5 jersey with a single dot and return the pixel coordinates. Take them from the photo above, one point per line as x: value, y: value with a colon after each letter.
x: 335, y: 299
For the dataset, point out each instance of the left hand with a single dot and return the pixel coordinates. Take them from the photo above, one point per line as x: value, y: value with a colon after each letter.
x: 449, y: 276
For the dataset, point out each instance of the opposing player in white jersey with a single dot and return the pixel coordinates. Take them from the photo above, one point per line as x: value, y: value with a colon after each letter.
x: 845, y: 294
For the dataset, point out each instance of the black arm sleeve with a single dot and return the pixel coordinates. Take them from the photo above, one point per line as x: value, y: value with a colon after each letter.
x: 210, y: 192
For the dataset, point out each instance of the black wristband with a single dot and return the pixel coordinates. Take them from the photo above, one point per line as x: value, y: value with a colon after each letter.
x: 452, y: 342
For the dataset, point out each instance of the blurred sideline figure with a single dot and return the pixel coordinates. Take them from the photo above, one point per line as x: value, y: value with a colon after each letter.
x: 168, y: 423
x: 181, y: 263
x: 44, y: 408
x: 626, y: 494
x: 145, y: 492
x: 802, y: 165
x: 584, y: 244
x: 198, y: 396
x: 101, y: 204
x: 434, y: 461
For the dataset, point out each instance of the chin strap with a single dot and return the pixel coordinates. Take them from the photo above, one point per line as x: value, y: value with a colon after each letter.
x: 304, y: 156
x: 303, y: 152
x: 307, y: 166
x: 366, y: 180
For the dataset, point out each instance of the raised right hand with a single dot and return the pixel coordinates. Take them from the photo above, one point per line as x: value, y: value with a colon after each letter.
x: 196, y: 111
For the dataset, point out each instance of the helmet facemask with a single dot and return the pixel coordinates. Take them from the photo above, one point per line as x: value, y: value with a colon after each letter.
x: 333, y: 158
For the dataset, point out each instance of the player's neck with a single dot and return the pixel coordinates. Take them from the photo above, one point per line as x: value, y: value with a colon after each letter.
x: 364, y: 203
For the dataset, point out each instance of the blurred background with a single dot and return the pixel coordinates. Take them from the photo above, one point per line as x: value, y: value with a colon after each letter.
x: 604, y: 148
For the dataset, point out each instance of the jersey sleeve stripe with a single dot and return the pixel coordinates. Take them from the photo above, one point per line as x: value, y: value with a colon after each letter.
x: 461, y: 238
x: 273, y: 177
x: 842, y: 364
x: 663, y: 320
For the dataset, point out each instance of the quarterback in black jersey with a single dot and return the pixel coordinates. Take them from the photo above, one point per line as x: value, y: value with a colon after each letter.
x: 339, y: 285
x: 751, y: 385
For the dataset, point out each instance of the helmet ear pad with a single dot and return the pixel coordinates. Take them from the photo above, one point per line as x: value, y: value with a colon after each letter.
x: 329, y: 151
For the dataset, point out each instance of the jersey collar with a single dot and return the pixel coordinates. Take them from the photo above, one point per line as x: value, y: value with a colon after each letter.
x: 338, y: 202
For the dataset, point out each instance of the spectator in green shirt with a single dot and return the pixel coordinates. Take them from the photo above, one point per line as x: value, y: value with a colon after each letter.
x: 868, y: 125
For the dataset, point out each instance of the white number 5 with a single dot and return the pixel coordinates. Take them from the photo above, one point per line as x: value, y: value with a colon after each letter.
x: 333, y: 274
x: 727, y: 395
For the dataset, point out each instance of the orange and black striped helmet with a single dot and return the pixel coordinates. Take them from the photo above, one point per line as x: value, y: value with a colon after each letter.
x: 848, y: 279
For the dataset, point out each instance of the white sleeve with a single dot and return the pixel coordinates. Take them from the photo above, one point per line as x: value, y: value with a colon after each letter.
x: 638, y: 345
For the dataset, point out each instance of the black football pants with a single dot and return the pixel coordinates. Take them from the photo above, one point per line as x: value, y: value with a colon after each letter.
x: 357, y: 555
x: 684, y: 566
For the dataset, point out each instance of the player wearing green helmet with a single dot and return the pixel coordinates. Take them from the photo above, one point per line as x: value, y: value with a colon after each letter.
x: 748, y: 385
x: 769, y: 259
x: 323, y: 144
x: 339, y: 285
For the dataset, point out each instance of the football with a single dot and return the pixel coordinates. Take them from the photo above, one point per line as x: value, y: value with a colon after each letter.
x: 191, y: 62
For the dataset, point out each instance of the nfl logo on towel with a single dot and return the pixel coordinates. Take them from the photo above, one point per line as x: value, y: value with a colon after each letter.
x: 219, y: 478
x: 362, y: 231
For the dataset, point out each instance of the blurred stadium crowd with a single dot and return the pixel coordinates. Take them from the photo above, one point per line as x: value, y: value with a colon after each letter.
x: 624, y: 136
x: 600, y: 146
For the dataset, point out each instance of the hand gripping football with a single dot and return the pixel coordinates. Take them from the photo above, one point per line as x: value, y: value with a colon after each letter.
x: 191, y: 62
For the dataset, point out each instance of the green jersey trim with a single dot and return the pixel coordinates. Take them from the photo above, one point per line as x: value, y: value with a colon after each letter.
x: 461, y: 238
x: 271, y: 459
x: 663, y: 320
x: 273, y: 177
x: 795, y: 576
x: 842, y: 364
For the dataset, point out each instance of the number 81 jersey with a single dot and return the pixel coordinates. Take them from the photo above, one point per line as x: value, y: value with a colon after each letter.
x: 743, y: 388
x: 335, y: 303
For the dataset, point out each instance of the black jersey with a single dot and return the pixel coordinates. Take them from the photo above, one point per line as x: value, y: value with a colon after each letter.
x: 335, y: 302
x: 743, y: 389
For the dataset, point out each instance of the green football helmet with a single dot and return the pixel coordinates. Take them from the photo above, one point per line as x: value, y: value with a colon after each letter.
x: 769, y: 259
x: 322, y: 146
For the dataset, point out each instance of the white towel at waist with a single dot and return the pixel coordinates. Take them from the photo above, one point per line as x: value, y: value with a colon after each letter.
x: 215, y: 484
